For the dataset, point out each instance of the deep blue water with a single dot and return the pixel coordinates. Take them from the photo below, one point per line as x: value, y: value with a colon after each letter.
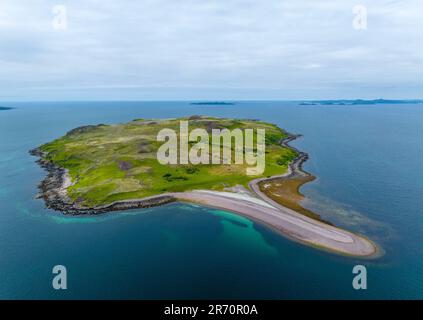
x: 368, y: 160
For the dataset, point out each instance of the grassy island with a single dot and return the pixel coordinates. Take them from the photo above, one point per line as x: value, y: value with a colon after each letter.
x: 109, y: 163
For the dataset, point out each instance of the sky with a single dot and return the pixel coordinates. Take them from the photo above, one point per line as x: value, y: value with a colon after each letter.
x: 210, y: 49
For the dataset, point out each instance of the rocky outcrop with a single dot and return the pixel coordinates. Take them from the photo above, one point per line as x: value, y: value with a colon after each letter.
x: 53, y: 191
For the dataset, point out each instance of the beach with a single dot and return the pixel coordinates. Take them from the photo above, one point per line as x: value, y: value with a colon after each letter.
x: 286, y: 221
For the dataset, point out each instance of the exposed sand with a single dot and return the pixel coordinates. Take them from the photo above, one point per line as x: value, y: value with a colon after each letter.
x: 287, y: 221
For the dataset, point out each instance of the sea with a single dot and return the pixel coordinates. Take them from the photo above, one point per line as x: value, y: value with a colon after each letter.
x: 368, y: 160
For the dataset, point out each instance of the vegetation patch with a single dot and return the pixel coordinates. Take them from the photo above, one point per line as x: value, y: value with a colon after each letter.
x: 119, y: 162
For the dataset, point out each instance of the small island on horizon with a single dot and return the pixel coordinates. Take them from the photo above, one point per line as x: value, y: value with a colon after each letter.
x: 213, y: 103
x: 101, y: 168
x: 5, y: 108
x: 358, y: 102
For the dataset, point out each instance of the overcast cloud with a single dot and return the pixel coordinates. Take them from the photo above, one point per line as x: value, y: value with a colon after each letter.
x: 210, y: 49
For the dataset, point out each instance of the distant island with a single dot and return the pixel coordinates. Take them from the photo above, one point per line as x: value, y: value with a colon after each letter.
x: 213, y: 103
x: 101, y: 168
x: 357, y: 102
x: 5, y: 108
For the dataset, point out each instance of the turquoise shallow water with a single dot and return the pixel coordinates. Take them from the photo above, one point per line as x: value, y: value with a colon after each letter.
x: 368, y: 162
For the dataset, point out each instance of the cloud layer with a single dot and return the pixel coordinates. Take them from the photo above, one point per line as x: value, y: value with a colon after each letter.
x: 210, y: 49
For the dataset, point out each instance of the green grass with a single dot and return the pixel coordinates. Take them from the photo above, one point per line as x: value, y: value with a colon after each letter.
x: 118, y: 162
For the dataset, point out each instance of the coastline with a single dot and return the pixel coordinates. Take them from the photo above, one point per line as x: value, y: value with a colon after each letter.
x: 291, y: 225
x: 53, y: 191
x: 289, y: 183
x: 286, y: 221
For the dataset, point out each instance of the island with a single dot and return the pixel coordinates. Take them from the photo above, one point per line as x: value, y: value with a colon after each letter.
x: 5, y: 108
x: 358, y: 102
x: 213, y: 103
x: 101, y: 168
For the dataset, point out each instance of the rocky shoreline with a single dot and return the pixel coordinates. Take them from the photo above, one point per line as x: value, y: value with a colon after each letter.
x: 53, y: 191
x: 53, y: 187
x: 295, y: 167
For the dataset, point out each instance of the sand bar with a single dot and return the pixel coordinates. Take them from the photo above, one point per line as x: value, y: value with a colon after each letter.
x: 287, y: 221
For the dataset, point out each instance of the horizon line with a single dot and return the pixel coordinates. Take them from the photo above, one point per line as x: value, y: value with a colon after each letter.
x: 208, y: 100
